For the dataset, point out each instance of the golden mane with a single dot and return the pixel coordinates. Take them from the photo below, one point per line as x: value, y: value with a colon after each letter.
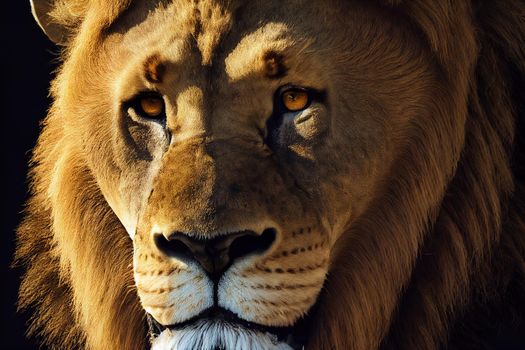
x: 469, y: 248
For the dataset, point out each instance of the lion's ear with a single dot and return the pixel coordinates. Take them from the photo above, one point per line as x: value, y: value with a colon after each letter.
x: 58, y: 18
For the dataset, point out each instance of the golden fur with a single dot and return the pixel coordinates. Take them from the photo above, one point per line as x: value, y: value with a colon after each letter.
x: 436, y: 245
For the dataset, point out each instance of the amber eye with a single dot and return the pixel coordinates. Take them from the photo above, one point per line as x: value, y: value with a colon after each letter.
x: 295, y: 99
x: 151, y: 106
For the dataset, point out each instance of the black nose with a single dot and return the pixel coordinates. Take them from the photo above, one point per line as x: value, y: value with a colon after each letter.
x: 215, y: 255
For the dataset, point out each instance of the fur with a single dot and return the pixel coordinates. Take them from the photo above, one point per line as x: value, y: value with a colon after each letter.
x: 435, y: 256
x: 217, y: 334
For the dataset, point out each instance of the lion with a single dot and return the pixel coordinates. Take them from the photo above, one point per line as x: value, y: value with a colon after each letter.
x: 279, y: 175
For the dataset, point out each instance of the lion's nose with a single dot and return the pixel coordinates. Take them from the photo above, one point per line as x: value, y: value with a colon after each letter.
x: 215, y: 255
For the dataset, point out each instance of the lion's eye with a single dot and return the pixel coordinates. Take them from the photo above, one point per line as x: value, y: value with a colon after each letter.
x: 152, y: 106
x: 295, y: 99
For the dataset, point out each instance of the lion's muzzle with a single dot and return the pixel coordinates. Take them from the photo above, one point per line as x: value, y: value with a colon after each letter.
x: 224, y: 229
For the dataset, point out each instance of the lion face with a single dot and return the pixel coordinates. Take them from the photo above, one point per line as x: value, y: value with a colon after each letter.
x: 236, y: 143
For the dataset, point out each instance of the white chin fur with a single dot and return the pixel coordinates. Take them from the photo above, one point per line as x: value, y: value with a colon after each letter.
x: 212, y: 334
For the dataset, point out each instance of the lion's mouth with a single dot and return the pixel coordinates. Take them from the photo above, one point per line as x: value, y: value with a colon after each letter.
x: 293, y: 336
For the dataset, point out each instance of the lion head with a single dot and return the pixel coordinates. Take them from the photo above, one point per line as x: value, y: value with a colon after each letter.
x: 267, y: 174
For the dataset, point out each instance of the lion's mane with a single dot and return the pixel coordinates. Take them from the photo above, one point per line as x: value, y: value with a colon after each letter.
x: 467, y: 277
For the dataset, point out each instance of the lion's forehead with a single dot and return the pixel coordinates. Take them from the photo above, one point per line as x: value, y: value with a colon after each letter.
x: 203, y: 24
x: 204, y: 31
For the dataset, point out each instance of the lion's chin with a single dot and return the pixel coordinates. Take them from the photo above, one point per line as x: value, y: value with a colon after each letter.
x: 217, y: 328
x: 211, y: 334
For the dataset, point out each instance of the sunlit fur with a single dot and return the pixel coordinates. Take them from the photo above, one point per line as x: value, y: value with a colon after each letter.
x: 439, y: 247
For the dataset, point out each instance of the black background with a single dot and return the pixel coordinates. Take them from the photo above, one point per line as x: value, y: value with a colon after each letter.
x: 27, y: 58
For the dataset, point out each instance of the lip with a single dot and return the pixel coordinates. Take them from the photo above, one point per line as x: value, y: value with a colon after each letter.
x: 295, y: 336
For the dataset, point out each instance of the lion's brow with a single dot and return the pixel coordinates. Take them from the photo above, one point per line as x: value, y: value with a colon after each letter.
x: 274, y: 65
x: 154, y: 68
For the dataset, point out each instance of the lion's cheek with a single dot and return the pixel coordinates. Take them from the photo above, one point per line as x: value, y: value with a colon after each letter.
x: 274, y: 291
x: 170, y: 292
